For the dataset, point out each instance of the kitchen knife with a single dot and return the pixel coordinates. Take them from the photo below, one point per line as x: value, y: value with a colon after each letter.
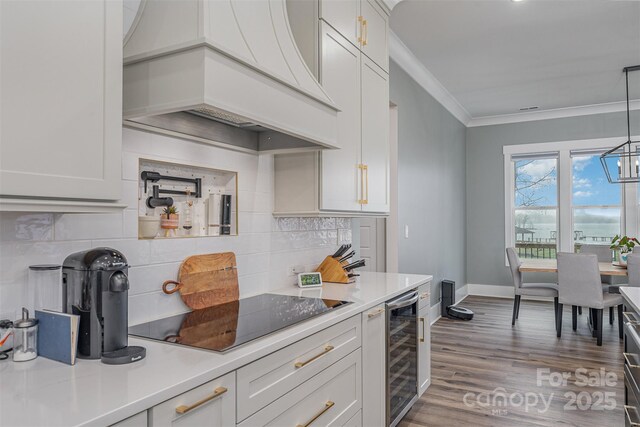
x: 357, y: 264
x: 343, y: 249
x: 339, y: 252
x: 347, y: 256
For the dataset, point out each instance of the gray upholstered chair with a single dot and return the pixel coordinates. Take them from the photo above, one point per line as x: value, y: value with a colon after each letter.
x: 633, y: 269
x: 579, y: 285
x: 604, y: 254
x: 528, y: 289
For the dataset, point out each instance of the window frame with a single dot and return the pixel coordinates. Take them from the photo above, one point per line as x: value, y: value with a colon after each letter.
x: 563, y: 150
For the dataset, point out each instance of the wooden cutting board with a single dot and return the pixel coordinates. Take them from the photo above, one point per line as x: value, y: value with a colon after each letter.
x: 206, y: 280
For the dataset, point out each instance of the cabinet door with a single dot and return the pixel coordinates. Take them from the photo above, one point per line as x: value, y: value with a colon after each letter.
x: 340, y: 77
x: 424, y: 347
x: 61, y: 99
x: 375, y: 136
x: 343, y: 16
x: 375, y: 33
x: 374, y: 366
x: 212, y: 404
x: 138, y: 420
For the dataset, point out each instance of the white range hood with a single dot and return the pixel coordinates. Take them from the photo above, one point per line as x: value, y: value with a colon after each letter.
x: 224, y: 72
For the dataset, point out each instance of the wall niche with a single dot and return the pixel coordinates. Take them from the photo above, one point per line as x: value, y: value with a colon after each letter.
x: 183, y: 201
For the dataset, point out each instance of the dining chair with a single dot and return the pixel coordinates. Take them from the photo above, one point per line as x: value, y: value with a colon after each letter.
x: 604, y: 254
x: 528, y: 289
x: 579, y: 285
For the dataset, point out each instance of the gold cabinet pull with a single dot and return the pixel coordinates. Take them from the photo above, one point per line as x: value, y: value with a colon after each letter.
x: 424, y: 295
x: 183, y: 409
x: 326, y: 350
x: 366, y: 194
x: 376, y: 313
x: 361, y: 200
x: 327, y: 406
x: 365, y: 36
x: 422, y: 337
x: 361, y: 28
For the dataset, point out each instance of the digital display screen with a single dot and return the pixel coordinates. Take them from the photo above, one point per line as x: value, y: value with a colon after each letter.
x: 310, y: 279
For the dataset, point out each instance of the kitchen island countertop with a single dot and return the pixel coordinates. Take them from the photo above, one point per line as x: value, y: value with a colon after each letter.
x: 45, y: 392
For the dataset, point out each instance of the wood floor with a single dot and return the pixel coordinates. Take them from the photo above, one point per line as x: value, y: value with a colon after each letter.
x: 487, y: 358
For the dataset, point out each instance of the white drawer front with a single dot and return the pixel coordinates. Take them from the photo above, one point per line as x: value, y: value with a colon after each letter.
x: 331, y: 398
x: 266, y: 379
x: 216, y: 408
x: 423, y: 292
x: 356, y: 420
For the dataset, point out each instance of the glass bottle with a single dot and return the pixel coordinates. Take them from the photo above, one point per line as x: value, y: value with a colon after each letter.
x: 25, y: 338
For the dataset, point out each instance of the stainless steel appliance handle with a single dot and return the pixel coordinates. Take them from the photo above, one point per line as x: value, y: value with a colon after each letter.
x: 627, y: 411
x: 408, y: 299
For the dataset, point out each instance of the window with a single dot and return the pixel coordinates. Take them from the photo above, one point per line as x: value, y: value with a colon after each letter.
x: 596, y: 204
x: 557, y: 198
x: 536, y: 206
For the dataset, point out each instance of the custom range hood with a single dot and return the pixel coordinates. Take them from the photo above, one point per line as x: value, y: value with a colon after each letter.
x: 224, y: 72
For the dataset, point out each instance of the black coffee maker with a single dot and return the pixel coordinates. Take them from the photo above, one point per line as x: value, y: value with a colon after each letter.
x: 95, y: 286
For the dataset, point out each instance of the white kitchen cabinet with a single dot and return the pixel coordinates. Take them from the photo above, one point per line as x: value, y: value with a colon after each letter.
x: 137, y: 420
x: 374, y: 352
x: 60, y: 104
x: 340, y: 76
x: 353, y: 180
x: 330, y: 398
x: 375, y: 37
x: 212, y: 404
x: 270, y: 377
x: 424, y: 339
x: 343, y: 16
x: 375, y: 137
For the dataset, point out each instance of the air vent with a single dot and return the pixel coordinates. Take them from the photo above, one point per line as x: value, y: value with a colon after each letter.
x: 529, y: 108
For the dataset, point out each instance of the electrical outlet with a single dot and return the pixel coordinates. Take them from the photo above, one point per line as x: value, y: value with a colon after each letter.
x: 296, y: 269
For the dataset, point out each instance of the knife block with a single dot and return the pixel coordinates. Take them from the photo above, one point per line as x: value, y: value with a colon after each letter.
x: 332, y: 271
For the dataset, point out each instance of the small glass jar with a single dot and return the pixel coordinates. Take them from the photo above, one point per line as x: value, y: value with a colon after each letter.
x: 25, y: 338
x: 45, y: 287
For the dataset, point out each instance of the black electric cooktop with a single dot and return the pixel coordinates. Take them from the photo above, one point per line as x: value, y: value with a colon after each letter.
x: 229, y: 325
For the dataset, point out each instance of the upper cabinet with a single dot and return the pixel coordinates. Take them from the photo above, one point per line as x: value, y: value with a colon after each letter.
x: 364, y: 23
x: 60, y: 105
x: 353, y: 180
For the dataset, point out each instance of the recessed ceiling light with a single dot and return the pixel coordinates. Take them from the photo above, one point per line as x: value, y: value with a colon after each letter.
x: 516, y: 1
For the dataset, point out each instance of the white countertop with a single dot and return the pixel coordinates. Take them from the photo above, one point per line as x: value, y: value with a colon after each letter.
x: 45, y: 392
x: 632, y: 295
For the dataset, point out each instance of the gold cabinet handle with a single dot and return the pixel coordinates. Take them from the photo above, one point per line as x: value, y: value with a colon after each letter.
x: 361, y: 28
x: 422, y: 337
x: 361, y: 200
x: 327, y: 349
x: 424, y: 295
x: 366, y: 194
x: 365, y: 37
x: 327, y: 406
x: 376, y: 313
x: 183, y: 409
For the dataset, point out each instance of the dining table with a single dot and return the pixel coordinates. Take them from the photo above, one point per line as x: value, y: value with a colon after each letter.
x: 551, y: 266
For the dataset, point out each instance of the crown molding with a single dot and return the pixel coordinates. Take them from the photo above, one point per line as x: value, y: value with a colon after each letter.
x: 557, y: 113
x: 403, y: 56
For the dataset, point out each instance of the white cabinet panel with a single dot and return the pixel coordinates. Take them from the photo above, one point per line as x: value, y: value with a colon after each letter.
x: 375, y: 136
x: 61, y: 99
x: 375, y: 44
x: 340, y: 77
x: 424, y: 343
x: 212, y: 404
x: 266, y: 379
x: 330, y: 398
x: 343, y: 16
x: 374, y: 366
x: 138, y: 420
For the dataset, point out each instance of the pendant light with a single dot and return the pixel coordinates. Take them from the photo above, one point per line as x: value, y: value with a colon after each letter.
x: 622, y: 163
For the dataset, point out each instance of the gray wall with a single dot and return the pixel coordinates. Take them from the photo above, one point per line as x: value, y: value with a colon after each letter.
x: 485, y: 182
x: 431, y: 184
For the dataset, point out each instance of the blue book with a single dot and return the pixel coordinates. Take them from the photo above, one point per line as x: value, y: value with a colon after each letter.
x: 57, y: 335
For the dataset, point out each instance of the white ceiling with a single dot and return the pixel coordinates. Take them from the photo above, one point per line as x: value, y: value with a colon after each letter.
x: 497, y: 56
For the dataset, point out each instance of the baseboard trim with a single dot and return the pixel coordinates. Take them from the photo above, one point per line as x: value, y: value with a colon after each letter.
x: 497, y: 291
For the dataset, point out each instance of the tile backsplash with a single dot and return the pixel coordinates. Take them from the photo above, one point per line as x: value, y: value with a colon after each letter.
x: 265, y: 248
